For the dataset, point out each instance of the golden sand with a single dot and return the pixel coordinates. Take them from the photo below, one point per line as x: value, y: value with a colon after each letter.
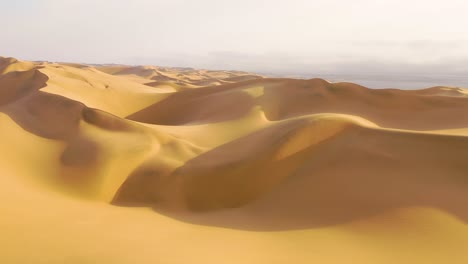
x: 122, y: 164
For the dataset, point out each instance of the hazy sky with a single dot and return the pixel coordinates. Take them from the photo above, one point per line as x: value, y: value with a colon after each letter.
x: 287, y: 36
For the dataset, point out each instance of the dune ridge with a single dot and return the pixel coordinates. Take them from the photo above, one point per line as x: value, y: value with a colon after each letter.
x: 104, y: 157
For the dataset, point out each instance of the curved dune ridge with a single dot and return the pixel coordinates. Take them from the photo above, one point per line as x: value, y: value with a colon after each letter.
x: 145, y: 164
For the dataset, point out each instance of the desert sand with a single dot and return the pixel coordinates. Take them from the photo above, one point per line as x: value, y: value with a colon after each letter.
x: 146, y: 164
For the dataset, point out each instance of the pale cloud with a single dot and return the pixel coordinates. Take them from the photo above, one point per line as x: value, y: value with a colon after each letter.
x: 277, y: 36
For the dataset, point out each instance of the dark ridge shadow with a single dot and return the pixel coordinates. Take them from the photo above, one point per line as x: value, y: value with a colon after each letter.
x: 17, y: 84
x: 46, y: 115
x: 5, y: 62
x: 49, y: 115
x: 359, y: 173
x: 43, y: 114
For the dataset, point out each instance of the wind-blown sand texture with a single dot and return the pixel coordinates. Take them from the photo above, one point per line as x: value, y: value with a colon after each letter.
x: 122, y: 164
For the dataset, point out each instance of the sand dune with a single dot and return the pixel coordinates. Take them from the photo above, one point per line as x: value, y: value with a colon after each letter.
x: 285, y: 98
x: 185, y: 77
x: 146, y: 164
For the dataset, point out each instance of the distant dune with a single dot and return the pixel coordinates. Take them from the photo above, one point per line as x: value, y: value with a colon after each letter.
x: 146, y: 164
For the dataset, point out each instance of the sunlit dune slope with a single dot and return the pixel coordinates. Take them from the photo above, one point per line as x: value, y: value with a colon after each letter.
x: 286, y: 98
x: 146, y: 164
